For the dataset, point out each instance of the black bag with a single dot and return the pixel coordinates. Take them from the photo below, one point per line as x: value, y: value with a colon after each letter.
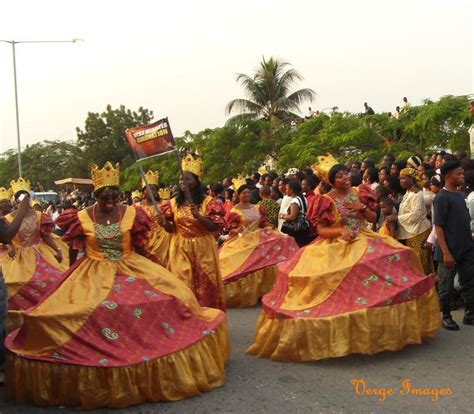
x: 301, y: 225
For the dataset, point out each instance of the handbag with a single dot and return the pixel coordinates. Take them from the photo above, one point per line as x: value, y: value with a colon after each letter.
x: 299, y: 226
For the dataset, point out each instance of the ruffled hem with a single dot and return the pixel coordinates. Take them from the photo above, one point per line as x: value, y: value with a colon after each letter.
x: 367, y: 331
x: 180, y: 375
x: 246, y: 291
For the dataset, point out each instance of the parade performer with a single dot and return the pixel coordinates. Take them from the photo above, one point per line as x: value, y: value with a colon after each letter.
x: 120, y: 329
x: 5, y: 208
x: 248, y: 258
x: 193, y: 251
x: 351, y: 291
x: 158, y: 245
x: 35, y: 263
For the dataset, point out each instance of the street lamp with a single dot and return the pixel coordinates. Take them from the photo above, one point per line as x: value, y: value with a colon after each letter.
x: 13, y: 43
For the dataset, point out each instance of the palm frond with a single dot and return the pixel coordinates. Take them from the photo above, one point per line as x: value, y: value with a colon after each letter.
x: 241, y: 118
x: 252, y: 88
x: 243, y: 105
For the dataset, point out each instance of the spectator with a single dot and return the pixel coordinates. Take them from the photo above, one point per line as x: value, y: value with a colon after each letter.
x: 368, y: 109
x: 396, y: 114
x: 285, y: 202
x: 387, y: 209
x: 383, y: 174
x: 455, y: 247
x: 387, y: 160
x: 406, y: 105
x: 397, y: 166
x: 270, y: 205
x: 371, y: 177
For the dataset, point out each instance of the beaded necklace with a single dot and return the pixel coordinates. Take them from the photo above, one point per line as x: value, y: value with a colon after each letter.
x: 98, y: 226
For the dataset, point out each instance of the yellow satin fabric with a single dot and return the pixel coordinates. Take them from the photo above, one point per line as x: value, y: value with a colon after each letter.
x: 235, y: 252
x: 248, y: 290
x: 366, y: 331
x: 159, y: 239
x: 335, y: 258
x: 182, y: 374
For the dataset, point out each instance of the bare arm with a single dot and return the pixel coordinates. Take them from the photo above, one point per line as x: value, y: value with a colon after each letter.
x: 51, y: 243
x: 294, y: 211
x: 12, y: 229
x: 448, y: 258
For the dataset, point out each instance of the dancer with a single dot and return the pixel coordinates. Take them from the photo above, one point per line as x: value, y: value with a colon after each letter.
x: 120, y: 329
x: 248, y: 259
x: 351, y: 291
x: 158, y: 245
x: 35, y: 262
x: 193, y: 252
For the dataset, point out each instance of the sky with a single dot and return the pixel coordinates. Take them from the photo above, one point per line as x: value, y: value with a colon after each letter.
x: 180, y: 58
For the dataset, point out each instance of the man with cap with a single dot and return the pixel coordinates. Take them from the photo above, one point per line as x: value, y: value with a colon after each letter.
x: 455, y: 247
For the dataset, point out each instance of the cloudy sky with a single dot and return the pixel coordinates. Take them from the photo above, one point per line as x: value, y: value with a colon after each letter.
x: 179, y: 58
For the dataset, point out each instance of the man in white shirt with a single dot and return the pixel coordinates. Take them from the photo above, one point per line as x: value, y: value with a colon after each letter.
x: 285, y: 202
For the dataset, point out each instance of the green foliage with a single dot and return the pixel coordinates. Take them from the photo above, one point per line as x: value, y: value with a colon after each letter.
x: 268, y: 94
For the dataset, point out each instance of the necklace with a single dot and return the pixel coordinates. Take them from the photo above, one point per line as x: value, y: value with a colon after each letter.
x: 98, y: 226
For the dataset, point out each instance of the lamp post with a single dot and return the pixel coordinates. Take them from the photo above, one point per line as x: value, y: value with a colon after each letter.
x: 13, y: 43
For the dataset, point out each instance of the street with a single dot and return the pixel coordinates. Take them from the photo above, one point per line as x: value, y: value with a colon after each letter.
x: 257, y: 385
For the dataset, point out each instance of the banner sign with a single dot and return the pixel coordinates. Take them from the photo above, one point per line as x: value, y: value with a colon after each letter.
x: 150, y: 140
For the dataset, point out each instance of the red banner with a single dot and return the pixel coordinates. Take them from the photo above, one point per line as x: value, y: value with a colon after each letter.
x: 150, y: 140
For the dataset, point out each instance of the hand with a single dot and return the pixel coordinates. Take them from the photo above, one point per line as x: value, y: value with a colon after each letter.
x: 356, y: 206
x: 59, y: 256
x: 346, y: 235
x: 392, y: 218
x: 195, y: 211
x: 24, y: 206
x: 449, y: 261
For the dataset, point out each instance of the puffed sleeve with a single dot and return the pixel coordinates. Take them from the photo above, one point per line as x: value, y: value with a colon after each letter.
x: 46, y: 224
x: 167, y: 210
x: 232, y: 220
x: 263, y: 215
x: 367, y: 196
x: 69, y: 222
x: 321, y: 211
x: 215, y: 211
x: 141, y: 226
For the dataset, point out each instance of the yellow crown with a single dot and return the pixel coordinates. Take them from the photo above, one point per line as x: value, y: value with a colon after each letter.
x: 324, y: 164
x: 5, y: 194
x: 108, y: 176
x: 238, y: 182
x: 36, y: 203
x: 193, y: 165
x: 136, y: 194
x: 152, y: 178
x: 20, y: 185
x: 262, y: 170
x: 165, y: 193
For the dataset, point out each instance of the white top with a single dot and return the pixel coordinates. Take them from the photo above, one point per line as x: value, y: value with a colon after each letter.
x: 296, y: 200
x: 412, y: 216
x: 285, y: 203
x: 470, y: 206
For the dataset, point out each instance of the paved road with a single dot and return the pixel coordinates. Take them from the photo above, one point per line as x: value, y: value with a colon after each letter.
x: 263, y: 386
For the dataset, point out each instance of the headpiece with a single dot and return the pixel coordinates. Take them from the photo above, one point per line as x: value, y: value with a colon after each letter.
x: 292, y: 171
x: 5, y: 194
x: 152, y: 178
x: 20, y: 185
x: 35, y: 202
x: 262, y: 170
x: 324, y: 164
x: 136, y: 194
x: 238, y: 182
x: 193, y: 165
x: 164, y: 193
x: 411, y: 172
x: 108, y: 176
x: 414, y: 161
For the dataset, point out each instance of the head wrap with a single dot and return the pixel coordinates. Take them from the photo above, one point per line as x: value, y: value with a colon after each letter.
x: 411, y: 172
x: 414, y: 161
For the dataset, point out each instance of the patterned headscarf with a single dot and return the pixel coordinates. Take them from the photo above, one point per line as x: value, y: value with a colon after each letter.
x: 411, y: 172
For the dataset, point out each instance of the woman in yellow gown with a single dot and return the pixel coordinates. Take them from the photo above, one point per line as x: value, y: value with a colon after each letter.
x: 120, y: 329
x: 248, y: 259
x: 35, y: 264
x: 193, y: 251
x: 158, y: 245
x: 351, y: 291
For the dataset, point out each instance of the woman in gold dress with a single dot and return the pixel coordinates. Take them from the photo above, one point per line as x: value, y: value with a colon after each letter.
x: 120, y: 329
x: 193, y: 252
x: 35, y: 263
x: 351, y: 291
x: 249, y: 258
x: 159, y: 239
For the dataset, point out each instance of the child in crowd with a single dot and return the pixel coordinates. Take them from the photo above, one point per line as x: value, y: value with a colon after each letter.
x: 387, y: 208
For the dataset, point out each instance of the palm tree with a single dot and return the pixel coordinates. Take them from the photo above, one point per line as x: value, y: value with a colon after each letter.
x: 268, y: 93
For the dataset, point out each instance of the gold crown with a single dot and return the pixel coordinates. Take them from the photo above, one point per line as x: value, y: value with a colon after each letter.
x: 238, y: 182
x: 36, y: 203
x: 165, y: 193
x: 263, y: 170
x: 5, y: 194
x: 20, y: 185
x: 324, y: 164
x: 152, y: 178
x: 137, y: 194
x: 108, y: 176
x: 193, y: 165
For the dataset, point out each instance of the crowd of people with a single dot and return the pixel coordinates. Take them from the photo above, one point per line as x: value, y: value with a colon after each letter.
x: 122, y: 299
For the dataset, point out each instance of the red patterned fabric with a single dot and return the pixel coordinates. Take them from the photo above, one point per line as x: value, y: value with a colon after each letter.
x: 166, y: 210
x: 321, y: 210
x: 233, y: 220
x: 69, y: 222
x: 215, y: 211
x: 141, y: 226
x: 367, y: 196
x: 46, y: 224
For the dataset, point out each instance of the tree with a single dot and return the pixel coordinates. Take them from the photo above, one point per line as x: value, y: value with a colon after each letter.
x: 268, y: 94
x: 103, y: 137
